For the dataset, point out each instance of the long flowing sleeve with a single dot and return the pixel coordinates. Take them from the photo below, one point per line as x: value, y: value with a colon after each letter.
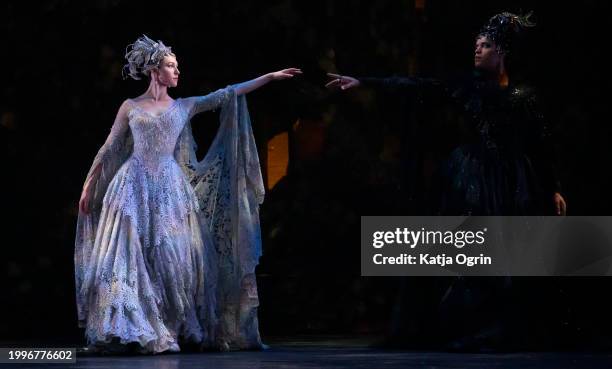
x: 113, y: 153
x: 229, y: 187
x: 212, y: 101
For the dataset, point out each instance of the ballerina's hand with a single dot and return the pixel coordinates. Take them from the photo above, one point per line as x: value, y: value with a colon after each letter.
x: 285, y: 73
x: 84, y: 201
x: 342, y: 82
x: 560, y: 205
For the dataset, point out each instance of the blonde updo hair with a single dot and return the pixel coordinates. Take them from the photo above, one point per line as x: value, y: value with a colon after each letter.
x: 142, y: 56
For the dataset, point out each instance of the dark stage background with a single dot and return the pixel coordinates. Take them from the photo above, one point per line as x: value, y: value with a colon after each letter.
x: 352, y: 154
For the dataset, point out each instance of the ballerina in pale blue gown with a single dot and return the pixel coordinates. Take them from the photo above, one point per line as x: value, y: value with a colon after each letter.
x: 167, y: 245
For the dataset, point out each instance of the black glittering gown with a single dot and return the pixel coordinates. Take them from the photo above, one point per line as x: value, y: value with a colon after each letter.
x: 502, y: 157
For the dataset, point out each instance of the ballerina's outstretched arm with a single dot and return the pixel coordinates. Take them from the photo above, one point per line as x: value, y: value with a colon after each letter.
x: 248, y: 86
x: 212, y: 101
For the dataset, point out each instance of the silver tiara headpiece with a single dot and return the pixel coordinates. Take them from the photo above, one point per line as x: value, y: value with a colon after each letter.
x: 142, y: 56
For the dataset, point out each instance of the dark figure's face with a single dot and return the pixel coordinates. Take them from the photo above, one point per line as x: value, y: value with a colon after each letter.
x: 486, y: 56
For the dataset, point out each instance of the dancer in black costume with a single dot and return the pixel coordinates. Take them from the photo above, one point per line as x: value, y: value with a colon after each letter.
x: 504, y: 164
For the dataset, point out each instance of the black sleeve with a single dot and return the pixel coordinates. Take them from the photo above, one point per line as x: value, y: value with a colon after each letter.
x: 415, y: 88
x: 543, y: 148
x: 402, y: 83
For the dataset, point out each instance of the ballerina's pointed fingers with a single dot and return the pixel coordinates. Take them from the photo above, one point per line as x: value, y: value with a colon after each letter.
x: 291, y: 71
x: 333, y: 75
x: 286, y: 75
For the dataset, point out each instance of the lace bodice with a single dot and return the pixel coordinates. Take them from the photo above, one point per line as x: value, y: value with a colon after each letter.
x: 155, y: 136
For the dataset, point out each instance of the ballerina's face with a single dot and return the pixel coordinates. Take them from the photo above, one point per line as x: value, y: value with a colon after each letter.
x: 168, y: 73
x: 485, y: 54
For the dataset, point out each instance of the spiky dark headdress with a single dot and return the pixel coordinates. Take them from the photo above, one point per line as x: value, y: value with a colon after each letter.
x: 502, y: 29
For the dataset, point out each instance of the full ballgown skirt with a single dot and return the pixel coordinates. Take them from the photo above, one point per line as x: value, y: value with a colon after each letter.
x: 168, y: 251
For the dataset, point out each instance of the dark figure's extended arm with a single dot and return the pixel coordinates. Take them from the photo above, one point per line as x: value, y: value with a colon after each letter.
x: 389, y: 83
x: 401, y: 83
x: 418, y: 88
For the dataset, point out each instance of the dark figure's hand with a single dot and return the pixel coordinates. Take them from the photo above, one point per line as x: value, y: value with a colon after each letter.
x: 560, y: 205
x: 343, y: 82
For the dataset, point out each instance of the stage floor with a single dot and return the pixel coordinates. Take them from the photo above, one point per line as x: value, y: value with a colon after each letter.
x: 336, y: 354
